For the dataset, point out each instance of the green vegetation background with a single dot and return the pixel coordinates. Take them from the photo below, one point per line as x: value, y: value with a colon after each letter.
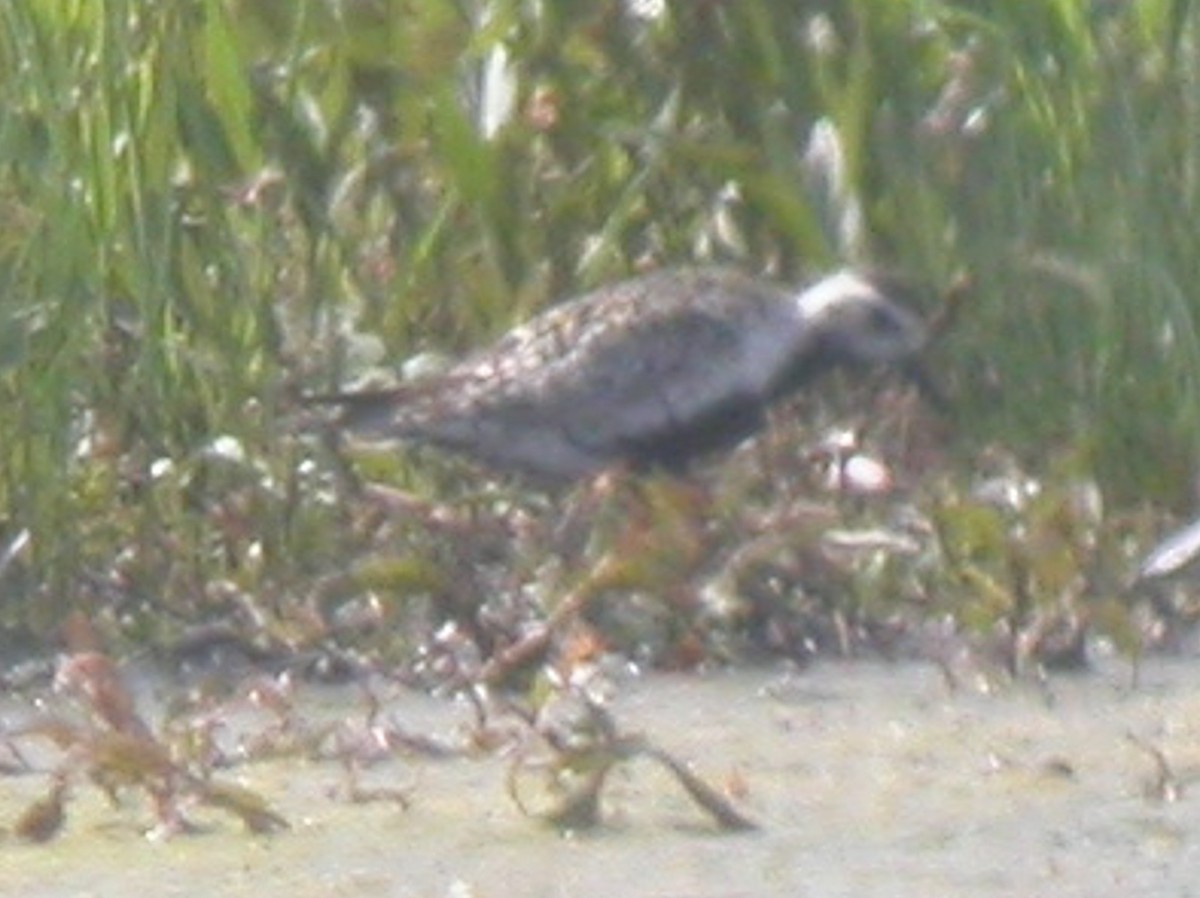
x: 209, y: 205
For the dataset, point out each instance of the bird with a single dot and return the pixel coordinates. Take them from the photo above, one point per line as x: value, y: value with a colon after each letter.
x: 651, y: 372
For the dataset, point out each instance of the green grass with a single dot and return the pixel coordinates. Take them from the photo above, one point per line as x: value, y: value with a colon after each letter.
x: 208, y: 204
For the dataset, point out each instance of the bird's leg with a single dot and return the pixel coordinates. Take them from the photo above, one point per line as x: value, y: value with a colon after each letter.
x: 650, y: 534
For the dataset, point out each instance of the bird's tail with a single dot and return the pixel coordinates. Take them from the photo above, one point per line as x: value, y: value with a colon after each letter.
x: 373, y: 414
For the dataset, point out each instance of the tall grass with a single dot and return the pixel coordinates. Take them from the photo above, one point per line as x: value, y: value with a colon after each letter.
x: 207, y: 203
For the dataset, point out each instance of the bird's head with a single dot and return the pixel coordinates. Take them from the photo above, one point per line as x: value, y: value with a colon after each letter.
x: 855, y: 319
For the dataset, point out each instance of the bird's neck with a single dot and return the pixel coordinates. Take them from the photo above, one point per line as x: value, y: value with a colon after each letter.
x: 807, y: 366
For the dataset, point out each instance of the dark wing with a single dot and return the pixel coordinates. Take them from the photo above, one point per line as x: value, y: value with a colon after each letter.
x: 626, y: 393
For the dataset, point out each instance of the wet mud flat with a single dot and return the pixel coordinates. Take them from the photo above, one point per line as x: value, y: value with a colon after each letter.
x: 865, y: 779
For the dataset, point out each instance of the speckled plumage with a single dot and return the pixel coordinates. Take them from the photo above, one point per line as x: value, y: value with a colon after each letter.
x: 651, y: 371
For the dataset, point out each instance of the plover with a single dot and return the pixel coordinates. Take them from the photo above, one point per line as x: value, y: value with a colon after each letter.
x: 651, y: 372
